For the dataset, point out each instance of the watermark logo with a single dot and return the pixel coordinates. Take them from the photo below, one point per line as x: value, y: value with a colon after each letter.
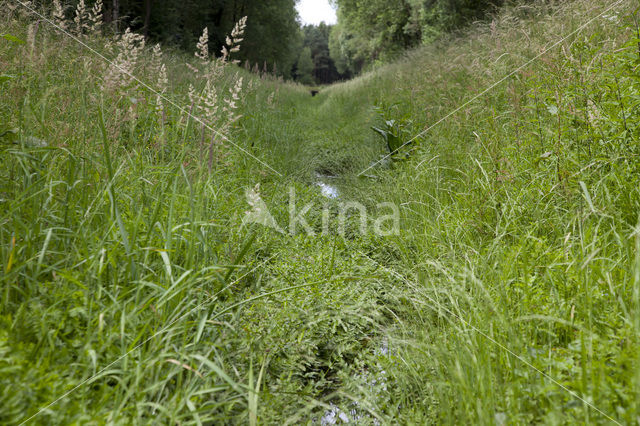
x: 259, y: 212
x: 339, y: 217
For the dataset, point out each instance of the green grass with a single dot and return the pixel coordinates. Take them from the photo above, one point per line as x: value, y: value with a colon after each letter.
x: 130, y: 286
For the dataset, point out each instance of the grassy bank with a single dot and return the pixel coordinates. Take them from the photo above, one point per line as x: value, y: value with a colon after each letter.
x: 133, y: 292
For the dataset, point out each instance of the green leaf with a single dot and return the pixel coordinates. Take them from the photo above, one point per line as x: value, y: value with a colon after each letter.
x: 383, y: 133
x: 241, y: 254
x: 587, y: 196
x: 394, y: 143
x: 219, y: 372
x: 9, y: 132
x: 6, y: 77
x: 11, y: 38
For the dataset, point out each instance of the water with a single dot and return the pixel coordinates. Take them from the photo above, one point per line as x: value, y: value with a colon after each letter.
x: 375, y: 379
x: 332, y: 416
x: 327, y: 189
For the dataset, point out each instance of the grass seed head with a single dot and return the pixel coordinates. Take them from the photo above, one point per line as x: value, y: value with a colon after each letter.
x: 120, y: 72
x: 82, y: 18
x: 95, y: 17
x: 58, y: 15
x: 202, y: 47
x: 233, y: 41
x: 31, y: 38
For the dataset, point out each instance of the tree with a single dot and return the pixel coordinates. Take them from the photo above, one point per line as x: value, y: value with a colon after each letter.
x: 316, y: 37
x: 272, y: 33
x: 147, y: 18
x: 115, y: 8
x: 305, y: 67
x: 380, y: 29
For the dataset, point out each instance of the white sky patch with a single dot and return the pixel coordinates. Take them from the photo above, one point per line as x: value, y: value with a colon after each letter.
x: 316, y: 11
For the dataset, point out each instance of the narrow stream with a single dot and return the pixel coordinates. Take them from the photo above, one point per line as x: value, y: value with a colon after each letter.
x: 328, y: 189
x: 372, y: 378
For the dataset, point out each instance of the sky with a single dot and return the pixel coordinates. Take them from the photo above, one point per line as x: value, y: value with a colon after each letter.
x: 315, y: 11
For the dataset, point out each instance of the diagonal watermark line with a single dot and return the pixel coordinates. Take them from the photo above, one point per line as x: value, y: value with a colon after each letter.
x: 162, y: 330
x: 436, y: 305
x: 145, y: 85
x: 494, y: 85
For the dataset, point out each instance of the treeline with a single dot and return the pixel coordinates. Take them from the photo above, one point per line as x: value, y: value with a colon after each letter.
x: 272, y: 38
x: 315, y: 64
x: 274, y: 42
x: 272, y: 27
x: 377, y: 30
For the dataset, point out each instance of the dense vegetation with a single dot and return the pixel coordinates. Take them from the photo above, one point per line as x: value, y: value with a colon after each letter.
x: 132, y: 290
x: 315, y: 45
x: 377, y: 30
x: 275, y: 43
x: 271, y: 41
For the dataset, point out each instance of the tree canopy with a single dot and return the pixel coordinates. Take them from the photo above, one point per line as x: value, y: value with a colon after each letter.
x: 272, y: 34
x: 366, y: 32
x: 315, y: 38
x: 379, y: 29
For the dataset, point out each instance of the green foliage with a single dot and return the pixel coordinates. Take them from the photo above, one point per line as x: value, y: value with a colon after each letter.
x: 12, y: 39
x: 394, y: 132
x: 304, y: 73
x: 6, y: 77
x: 272, y: 34
x: 130, y: 287
x: 316, y: 38
x: 519, y: 256
x: 379, y: 30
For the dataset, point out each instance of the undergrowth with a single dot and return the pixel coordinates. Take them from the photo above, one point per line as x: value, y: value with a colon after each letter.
x: 132, y: 291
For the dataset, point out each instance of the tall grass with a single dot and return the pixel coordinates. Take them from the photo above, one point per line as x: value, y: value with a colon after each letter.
x: 131, y: 292
x: 519, y: 255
